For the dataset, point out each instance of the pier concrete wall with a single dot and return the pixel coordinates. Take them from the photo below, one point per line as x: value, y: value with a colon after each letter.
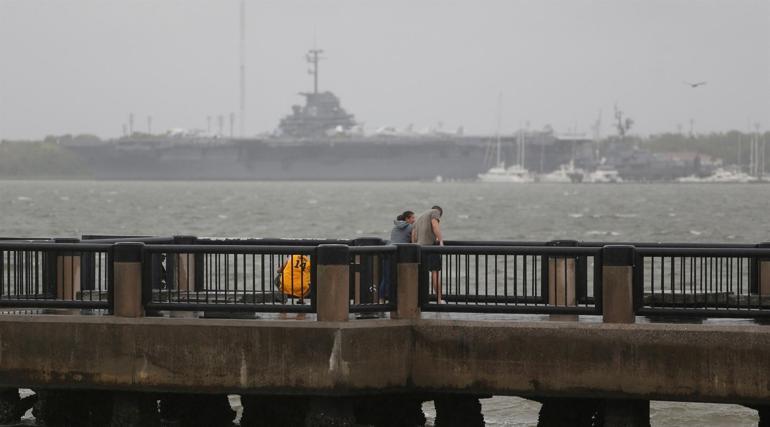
x: 560, y: 359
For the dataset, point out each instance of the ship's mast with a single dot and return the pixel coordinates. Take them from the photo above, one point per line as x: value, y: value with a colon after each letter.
x: 243, y: 67
x: 313, y: 56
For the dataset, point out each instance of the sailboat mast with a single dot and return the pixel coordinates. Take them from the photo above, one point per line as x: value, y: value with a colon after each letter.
x: 243, y: 68
x: 497, y: 128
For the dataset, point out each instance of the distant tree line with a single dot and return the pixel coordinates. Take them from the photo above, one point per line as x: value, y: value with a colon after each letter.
x: 39, y: 159
x: 732, y: 147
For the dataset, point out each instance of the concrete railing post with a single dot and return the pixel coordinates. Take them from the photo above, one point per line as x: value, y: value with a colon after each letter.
x: 617, y: 284
x: 184, y: 265
x: 127, y: 292
x: 408, y: 278
x: 763, y: 273
x: 333, y: 283
x: 561, y: 281
x: 67, y: 272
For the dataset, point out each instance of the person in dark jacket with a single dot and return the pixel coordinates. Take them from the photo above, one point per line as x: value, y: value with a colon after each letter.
x: 400, y: 233
x: 402, y: 228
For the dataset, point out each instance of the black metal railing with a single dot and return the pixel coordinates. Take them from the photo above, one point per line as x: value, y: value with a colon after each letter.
x: 511, y: 279
x: 185, y: 273
x: 56, y: 275
x: 229, y: 278
x: 373, y: 279
x: 702, y: 281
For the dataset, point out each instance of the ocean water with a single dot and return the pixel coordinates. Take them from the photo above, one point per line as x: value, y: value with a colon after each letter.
x: 611, y: 213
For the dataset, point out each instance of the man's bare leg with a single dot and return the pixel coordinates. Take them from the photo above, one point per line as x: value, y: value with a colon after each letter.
x: 437, y: 286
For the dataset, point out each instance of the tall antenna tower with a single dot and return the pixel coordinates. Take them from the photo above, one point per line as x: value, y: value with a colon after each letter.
x: 312, y: 57
x: 243, y: 67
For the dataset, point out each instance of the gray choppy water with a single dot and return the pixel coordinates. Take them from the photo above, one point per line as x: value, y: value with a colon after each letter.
x: 629, y: 212
x: 641, y: 212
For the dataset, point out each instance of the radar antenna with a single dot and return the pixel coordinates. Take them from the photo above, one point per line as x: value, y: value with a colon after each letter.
x: 312, y: 57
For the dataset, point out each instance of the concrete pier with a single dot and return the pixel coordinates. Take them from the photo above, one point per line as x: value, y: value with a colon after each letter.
x: 340, y: 371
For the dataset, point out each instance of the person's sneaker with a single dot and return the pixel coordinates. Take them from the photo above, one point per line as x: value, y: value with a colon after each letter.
x: 442, y: 301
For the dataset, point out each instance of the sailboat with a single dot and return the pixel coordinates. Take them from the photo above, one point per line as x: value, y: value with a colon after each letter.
x: 514, y: 174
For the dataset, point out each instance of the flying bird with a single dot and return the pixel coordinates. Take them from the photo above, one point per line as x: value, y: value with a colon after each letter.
x: 694, y: 85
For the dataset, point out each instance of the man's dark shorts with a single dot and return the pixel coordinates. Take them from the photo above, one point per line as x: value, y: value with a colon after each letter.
x: 434, y: 262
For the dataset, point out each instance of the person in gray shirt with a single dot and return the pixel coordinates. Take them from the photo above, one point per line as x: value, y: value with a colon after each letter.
x: 427, y: 232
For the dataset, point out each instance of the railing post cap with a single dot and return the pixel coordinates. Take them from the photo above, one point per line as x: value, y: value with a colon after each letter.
x: 185, y: 240
x: 566, y: 243
x: 66, y: 240
x: 618, y: 255
x: 127, y: 251
x: 368, y: 241
x: 333, y: 255
x: 408, y: 253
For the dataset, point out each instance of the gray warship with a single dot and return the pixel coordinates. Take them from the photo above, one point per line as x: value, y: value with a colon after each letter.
x: 320, y: 140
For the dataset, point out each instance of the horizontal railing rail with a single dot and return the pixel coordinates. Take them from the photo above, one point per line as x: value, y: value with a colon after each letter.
x: 269, y: 241
x: 373, y: 279
x: 726, y: 282
x: 229, y: 278
x: 44, y: 274
x: 511, y: 279
x: 146, y: 240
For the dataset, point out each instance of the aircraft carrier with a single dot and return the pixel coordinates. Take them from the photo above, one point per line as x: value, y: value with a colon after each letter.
x: 320, y: 140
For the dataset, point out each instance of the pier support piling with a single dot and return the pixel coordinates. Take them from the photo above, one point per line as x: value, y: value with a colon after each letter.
x: 194, y: 410
x: 558, y: 412
x: 389, y: 411
x: 625, y: 413
x: 268, y: 411
x: 458, y: 411
x: 330, y: 412
x: 134, y: 410
x: 9, y: 402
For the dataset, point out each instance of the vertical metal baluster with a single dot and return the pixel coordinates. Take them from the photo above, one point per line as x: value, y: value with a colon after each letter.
x: 272, y: 271
x: 740, y: 282
x: 652, y: 279
x: 496, y: 279
x: 515, y: 279
x: 3, y: 291
x: 692, y: 275
x: 565, y: 282
x: 534, y: 273
x: 505, y: 279
x: 710, y: 281
x: 524, y: 278
x: 468, y: 275
x: 217, y: 275
x: 681, y: 275
x: 486, y: 279
x: 476, y: 277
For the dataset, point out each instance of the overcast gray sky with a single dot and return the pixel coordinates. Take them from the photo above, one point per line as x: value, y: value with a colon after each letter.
x: 80, y: 66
